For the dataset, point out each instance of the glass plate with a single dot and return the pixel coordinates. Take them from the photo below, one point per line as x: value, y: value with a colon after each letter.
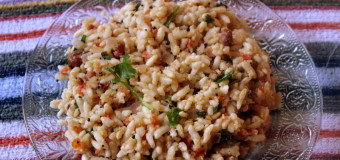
x: 294, y: 128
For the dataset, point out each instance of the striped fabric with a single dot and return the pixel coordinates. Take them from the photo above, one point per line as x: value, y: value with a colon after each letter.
x: 22, y: 22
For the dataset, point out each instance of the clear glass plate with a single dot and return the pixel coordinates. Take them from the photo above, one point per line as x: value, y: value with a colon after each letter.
x: 294, y: 128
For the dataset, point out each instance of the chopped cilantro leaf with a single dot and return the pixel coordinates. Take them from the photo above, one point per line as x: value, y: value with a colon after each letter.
x: 83, y: 38
x: 250, y: 95
x: 208, y: 19
x: 123, y: 71
x: 200, y: 113
x: 226, y: 136
x: 216, y: 108
x: 120, y: 22
x: 137, y: 7
x: 221, y: 4
x: 106, y: 56
x: 173, y: 116
x: 169, y: 101
x: 90, y: 132
x: 76, y: 104
x: 171, y: 17
x: 224, y: 77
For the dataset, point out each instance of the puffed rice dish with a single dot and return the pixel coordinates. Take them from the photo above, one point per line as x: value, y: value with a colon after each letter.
x: 166, y: 81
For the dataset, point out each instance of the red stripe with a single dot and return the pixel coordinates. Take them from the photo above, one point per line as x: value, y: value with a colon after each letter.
x: 329, y: 134
x: 5, y: 141
x: 325, y: 155
x: 24, y: 140
x: 11, y: 141
x: 304, y: 7
x: 30, y: 16
x: 23, y: 35
x: 297, y: 26
x: 315, y: 25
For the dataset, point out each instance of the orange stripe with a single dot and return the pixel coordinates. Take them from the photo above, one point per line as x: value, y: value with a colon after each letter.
x: 304, y: 7
x: 21, y: 36
x: 315, y: 25
x: 329, y: 134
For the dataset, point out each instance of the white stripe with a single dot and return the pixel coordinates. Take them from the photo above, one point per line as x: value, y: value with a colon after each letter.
x: 18, y: 45
x: 320, y: 35
x: 17, y: 152
x: 307, y: 16
x: 327, y: 145
x: 25, y: 25
x: 13, y: 129
x: 14, y: 84
x: 44, y: 124
x: 330, y: 121
x: 327, y: 76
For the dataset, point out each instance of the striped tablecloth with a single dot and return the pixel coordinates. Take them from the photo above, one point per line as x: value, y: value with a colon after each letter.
x: 22, y: 22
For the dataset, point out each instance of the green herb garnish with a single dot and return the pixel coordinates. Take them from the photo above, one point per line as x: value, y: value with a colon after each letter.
x: 83, y: 38
x: 90, y: 132
x: 220, y: 5
x: 76, y: 104
x: 137, y: 7
x: 216, y: 108
x: 106, y: 56
x: 250, y: 95
x: 123, y: 71
x: 120, y: 22
x: 173, y: 116
x: 200, y: 113
x: 224, y: 77
x: 169, y: 101
x: 171, y: 17
x: 226, y: 136
x: 208, y: 19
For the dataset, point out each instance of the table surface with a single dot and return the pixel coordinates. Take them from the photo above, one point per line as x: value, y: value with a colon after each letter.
x: 22, y: 22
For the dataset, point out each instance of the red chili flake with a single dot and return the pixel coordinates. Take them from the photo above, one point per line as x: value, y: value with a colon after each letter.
x: 200, y: 152
x: 65, y: 70
x: 119, y: 50
x: 126, y: 121
x: 246, y: 57
x: 220, y: 98
x: 155, y: 30
x: 77, y: 129
x: 124, y: 90
x: 154, y: 119
x: 189, y: 43
x: 91, y: 26
x: 188, y: 141
x: 81, y: 88
x: 89, y: 75
x: 262, y: 89
x: 146, y: 55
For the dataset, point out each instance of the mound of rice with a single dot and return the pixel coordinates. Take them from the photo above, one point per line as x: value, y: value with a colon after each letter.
x: 208, y: 82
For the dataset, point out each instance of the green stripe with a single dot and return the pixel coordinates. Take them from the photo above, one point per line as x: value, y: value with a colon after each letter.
x: 35, y: 10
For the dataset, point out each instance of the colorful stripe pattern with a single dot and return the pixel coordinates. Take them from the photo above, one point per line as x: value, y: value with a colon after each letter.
x: 22, y: 22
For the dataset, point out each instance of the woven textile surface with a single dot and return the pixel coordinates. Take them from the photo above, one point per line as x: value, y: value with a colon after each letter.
x: 22, y: 22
